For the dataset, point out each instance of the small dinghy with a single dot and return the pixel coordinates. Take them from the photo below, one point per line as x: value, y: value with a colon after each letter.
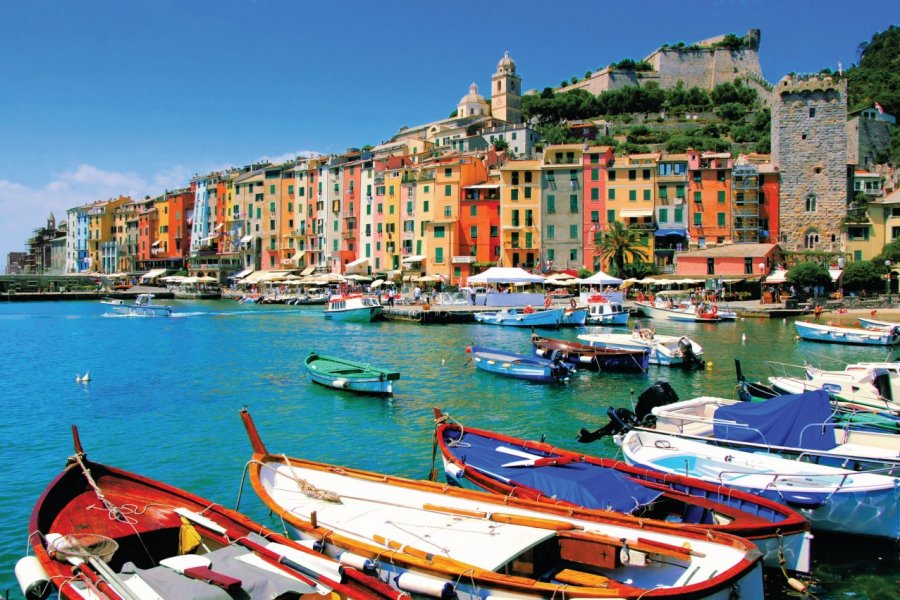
x: 343, y: 374
x: 520, y: 366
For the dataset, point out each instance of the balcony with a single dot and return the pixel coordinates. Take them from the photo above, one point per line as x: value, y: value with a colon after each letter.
x: 408, y: 235
x: 349, y: 234
x: 348, y: 214
x: 465, y: 260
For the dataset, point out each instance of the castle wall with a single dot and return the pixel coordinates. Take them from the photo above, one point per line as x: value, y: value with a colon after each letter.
x: 809, y: 147
x: 868, y: 140
x: 703, y: 68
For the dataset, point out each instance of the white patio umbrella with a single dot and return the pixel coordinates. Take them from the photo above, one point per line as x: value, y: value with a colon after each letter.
x: 377, y: 284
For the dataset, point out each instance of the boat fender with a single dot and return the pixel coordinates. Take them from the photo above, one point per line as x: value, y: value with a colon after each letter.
x: 360, y: 563
x: 32, y: 578
x: 540, y: 352
x: 455, y: 472
x: 810, y: 501
x: 341, y: 383
x: 585, y: 359
x: 423, y: 584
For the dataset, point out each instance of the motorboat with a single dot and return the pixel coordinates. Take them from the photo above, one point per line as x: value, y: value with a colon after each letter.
x: 665, y: 308
x: 112, y: 301
x: 102, y: 533
x: 603, y: 312
x: 520, y: 366
x: 877, y: 325
x: 832, y: 499
x: 470, y: 545
x: 871, y: 389
x: 667, y: 350
x: 796, y: 426
x: 823, y: 332
x: 512, y: 317
x: 343, y: 374
x: 353, y: 307
x: 606, y: 488
x: 143, y: 306
x: 590, y: 357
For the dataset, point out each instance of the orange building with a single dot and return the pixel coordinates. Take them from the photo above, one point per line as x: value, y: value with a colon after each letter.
x: 709, y: 198
x: 594, y: 160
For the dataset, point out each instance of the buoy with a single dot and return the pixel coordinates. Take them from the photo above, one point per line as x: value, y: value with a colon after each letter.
x: 443, y: 362
x: 32, y: 578
x: 784, y: 321
x: 709, y: 365
x: 797, y: 585
x: 744, y: 338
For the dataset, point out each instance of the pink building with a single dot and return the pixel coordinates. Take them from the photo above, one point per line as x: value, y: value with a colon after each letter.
x: 742, y: 260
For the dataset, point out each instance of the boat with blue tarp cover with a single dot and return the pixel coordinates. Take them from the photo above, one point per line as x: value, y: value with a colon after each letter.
x: 564, y: 479
x: 793, y: 425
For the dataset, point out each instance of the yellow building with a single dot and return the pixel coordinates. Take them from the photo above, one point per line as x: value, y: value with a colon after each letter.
x: 631, y: 189
x: 101, y: 234
x: 880, y: 225
x: 520, y: 213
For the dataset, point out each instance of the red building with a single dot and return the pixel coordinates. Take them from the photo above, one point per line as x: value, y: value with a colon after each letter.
x: 709, y: 198
x: 594, y: 161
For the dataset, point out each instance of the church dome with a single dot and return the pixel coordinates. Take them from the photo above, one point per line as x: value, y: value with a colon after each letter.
x: 506, y: 63
x: 473, y: 97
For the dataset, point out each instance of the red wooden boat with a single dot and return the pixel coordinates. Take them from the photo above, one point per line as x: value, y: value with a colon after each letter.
x: 595, y: 358
x: 602, y: 488
x: 100, y: 532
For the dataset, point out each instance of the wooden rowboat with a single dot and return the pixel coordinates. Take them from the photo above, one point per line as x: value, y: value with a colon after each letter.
x: 343, y: 374
x: 520, y: 366
x: 596, y: 358
x: 104, y: 533
x: 608, y: 489
x: 448, y: 542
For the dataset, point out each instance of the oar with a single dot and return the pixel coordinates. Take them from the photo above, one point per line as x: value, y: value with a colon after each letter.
x: 549, y: 461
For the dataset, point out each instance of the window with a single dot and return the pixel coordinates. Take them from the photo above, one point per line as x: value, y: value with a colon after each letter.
x: 448, y: 189
x: 514, y: 240
x: 720, y: 219
x: 573, y: 254
x: 551, y: 254
x: 698, y: 196
x: 439, y: 255
x: 515, y: 218
x: 448, y: 211
x: 425, y: 205
x: 272, y: 189
x: 610, y: 215
x: 528, y: 193
x: 612, y: 194
x: 514, y: 194
x: 272, y: 224
x: 811, y: 239
x: 811, y: 203
x: 595, y: 193
x: 495, y: 232
x: 473, y: 211
x: 439, y: 231
x: 679, y: 191
x: 390, y: 190
x: 812, y: 112
x: 551, y: 177
x: 663, y: 215
x: 857, y: 255
x: 595, y: 173
x: 612, y: 175
x: 529, y: 217
x: 473, y: 232
x: 528, y: 239
x: 271, y: 207
x: 551, y: 232
x: 632, y: 174
x: 573, y: 232
x: 595, y: 216
x: 646, y: 194
x: 698, y: 219
x: 710, y: 266
x: 527, y: 176
x: 448, y: 172
x: 646, y: 174
x: 720, y: 196
x: 632, y: 195
x: 573, y: 203
x: 663, y: 193
x: 551, y: 203
x: 858, y: 233
x: 679, y: 214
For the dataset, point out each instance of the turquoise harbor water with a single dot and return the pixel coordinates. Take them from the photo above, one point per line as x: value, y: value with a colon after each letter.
x: 165, y: 395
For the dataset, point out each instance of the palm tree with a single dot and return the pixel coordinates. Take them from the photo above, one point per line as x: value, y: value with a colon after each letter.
x: 621, y: 245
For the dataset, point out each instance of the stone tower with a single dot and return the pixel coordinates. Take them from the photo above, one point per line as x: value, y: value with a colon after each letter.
x: 809, y: 148
x: 506, y: 92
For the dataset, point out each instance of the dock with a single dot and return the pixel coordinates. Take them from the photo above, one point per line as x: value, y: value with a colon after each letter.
x: 434, y: 314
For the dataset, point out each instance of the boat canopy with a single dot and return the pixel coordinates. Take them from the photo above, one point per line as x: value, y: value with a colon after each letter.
x: 578, y: 483
x: 793, y: 420
x: 601, y: 278
x: 506, y: 275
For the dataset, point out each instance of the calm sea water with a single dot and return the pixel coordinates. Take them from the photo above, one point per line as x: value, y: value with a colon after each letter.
x: 165, y: 395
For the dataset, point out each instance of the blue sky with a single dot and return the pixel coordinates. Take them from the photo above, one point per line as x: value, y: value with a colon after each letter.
x: 104, y: 97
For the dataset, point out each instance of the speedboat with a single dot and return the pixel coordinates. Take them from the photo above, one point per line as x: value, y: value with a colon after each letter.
x: 603, y: 312
x: 858, y: 388
x: 819, y: 332
x: 512, y: 317
x: 607, y: 488
x: 832, y: 499
x: 143, y: 307
x: 471, y: 545
x: 574, y: 316
x: 668, y: 350
x: 667, y: 309
x: 520, y: 366
x: 353, y: 307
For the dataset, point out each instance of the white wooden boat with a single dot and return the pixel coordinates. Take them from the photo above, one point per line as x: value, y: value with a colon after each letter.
x: 112, y: 301
x: 450, y: 542
x: 795, y: 426
x: 833, y: 499
x: 876, y: 325
x: 143, y: 307
x: 668, y: 350
x: 669, y: 311
x: 819, y: 332
x: 353, y: 307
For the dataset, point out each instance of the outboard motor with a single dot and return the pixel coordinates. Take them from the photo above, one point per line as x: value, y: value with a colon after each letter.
x: 689, y: 359
x: 622, y: 420
x: 558, y: 368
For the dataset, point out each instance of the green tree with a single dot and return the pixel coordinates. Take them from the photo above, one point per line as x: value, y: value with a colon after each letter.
x: 862, y: 275
x: 621, y: 245
x: 501, y: 145
x: 808, y: 274
x: 877, y: 77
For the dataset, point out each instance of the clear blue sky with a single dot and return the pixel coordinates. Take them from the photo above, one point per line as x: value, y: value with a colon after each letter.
x: 102, y: 97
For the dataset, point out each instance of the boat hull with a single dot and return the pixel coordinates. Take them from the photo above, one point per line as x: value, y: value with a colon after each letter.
x: 833, y: 500
x: 365, y: 314
x: 546, y: 318
x: 342, y: 374
x: 683, y: 316
x: 606, y: 313
x: 663, y: 350
x: 845, y: 335
x: 518, y: 366
x: 592, y: 357
x: 574, y: 317
x: 142, y: 311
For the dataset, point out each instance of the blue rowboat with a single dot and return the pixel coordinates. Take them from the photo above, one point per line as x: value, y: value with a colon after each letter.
x: 846, y: 335
x: 877, y: 325
x: 574, y: 317
x: 606, y: 488
x: 519, y: 318
x: 520, y: 366
x: 349, y: 375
